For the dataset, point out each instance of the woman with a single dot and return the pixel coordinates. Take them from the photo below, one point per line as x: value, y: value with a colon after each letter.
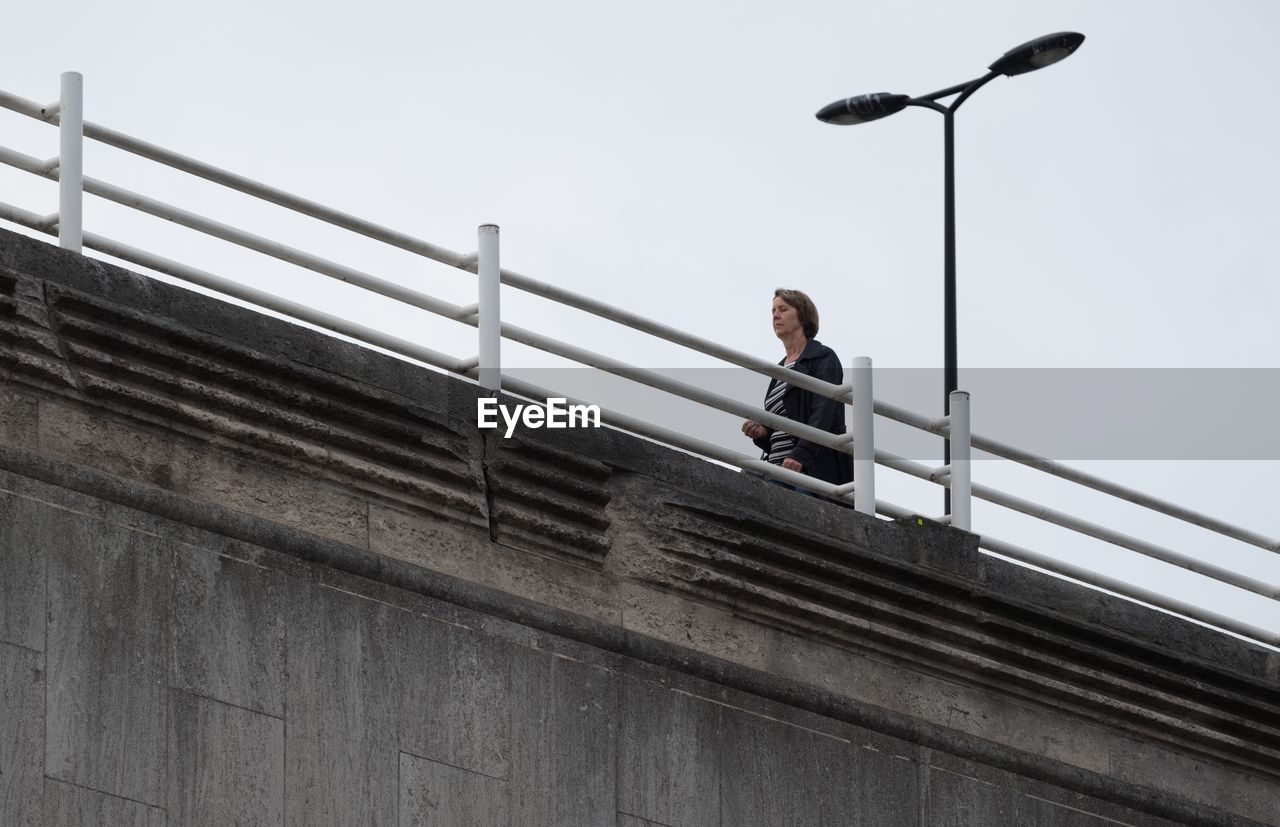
x: 795, y: 323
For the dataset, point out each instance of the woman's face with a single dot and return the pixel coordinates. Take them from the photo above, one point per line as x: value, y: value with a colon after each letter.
x: 786, y: 321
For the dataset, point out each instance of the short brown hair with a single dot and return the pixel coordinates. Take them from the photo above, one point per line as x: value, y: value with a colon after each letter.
x: 805, y: 309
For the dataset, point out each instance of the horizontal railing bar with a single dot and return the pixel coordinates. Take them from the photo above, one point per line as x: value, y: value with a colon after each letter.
x: 629, y: 423
x: 248, y: 186
x: 40, y: 223
x: 915, y: 469
x: 245, y: 239
x: 1066, y: 472
x: 897, y: 512
x: 272, y: 248
x: 41, y: 112
x: 1098, y: 532
x: 270, y: 194
x: 1085, y: 527
x: 674, y: 335
x: 700, y: 447
x: 908, y: 417
x: 795, y: 478
x: 1124, y: 492
x: 27, y: 163
x: 1130, y: 590
x: 656, y: 380
x: 254, y: 296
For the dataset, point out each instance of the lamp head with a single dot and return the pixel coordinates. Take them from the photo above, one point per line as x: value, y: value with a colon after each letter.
x: 1037, y: 54
x: 862, y: 108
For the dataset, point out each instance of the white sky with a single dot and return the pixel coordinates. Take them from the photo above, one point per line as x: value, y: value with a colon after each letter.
x: 1115, y: 210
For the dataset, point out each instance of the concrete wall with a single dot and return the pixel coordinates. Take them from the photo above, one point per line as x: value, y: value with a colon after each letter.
x: 249, y: 574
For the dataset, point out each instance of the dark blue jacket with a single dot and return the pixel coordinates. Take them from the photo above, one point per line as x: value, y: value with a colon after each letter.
x: 821, y: 362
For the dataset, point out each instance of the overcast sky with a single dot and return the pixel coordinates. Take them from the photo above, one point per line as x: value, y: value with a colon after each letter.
x: 1117, y: 210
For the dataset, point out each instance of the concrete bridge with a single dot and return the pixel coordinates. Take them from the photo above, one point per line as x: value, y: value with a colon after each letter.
x: 253, y: 574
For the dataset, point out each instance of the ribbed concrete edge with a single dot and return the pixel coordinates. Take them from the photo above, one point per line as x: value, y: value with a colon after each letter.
x: 1114, y: 619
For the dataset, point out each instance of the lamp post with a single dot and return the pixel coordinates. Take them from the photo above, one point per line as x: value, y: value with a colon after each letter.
x: 1032, y: 55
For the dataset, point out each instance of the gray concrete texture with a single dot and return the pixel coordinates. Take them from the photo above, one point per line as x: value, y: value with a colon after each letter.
x: 253, y: 575
x: 387, y: 707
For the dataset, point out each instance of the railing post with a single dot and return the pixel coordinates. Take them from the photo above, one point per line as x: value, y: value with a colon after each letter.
x: 864, y: 446
x: 961, y: 479
x: 490, y: 273
x: 71, y: 163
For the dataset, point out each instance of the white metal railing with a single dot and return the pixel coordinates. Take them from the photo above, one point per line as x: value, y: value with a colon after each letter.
x: 67, y: 170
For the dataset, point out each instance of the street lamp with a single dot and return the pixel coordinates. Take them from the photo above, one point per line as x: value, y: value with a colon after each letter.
x: 1034, y: 54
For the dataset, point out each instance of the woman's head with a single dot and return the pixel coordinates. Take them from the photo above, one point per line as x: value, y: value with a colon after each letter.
x: 806, y: 313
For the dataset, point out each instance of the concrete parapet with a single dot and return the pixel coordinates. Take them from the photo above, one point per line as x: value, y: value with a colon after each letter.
x: 290, y: 580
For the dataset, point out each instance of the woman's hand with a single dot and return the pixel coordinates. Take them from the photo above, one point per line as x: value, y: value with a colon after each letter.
x: 791, y: 465
x: 754, y: 429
